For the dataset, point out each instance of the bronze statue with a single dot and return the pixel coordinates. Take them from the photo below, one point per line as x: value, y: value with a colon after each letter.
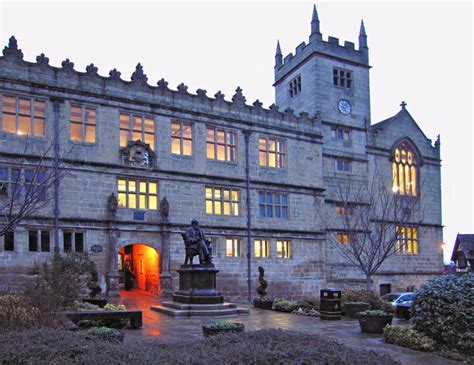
x: 197, y: 244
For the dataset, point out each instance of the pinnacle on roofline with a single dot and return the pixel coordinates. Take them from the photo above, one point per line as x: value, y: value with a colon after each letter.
x: 362, y: 29
x: 315, y: 22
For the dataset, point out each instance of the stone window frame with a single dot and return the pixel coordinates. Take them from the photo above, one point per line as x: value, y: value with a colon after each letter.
x: 138, y: 193
x: 84, y: 123
x: 236, y: 247
x: 339, y: 133
x: 344, y: 209
x: 216, y: 246
x: 39, y: 239
x: 280, y: 153
x: 20, y: 184
x: 212, y: 201
x: 345, y: 164
x: 9, y: 234
x: 263, y: 243
x: 32, y: 114
x: 294, y: 86
x: 284, y: 249
x: 73, y: 234
x: 228, y: 147
x: 343, y: 77
x: 131, y: 130
x: 407, y: 243
x: 272, y: 205
x: 182, y: 138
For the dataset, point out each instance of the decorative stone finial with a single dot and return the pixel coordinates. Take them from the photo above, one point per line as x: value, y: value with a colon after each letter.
x: 42, y: 59
x: 182, y: 89
x: 438, y: 141
x: 162, y: 84
x: 257, y: 104
x: 219, y: 96
x: 12, y: 49
x: 91, y: 69
x: 201, y: 93
x: 238, y: 96
x: 362, y: 37
x: 115, y: 74
x: 278, y: 56
x: 138, y: 74
x: 362, y: 29
x: 403, y: 105
x: 274, y: 108
x: 315, y: 22
x: 67, y: 65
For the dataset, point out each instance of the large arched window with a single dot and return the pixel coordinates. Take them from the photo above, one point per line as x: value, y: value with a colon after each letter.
x: 405, y: 170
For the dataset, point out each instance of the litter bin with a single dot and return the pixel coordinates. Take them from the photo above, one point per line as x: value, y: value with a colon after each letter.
x: 330, y: 304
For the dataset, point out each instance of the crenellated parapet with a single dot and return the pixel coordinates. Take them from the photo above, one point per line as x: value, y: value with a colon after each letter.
x: 14, y: 68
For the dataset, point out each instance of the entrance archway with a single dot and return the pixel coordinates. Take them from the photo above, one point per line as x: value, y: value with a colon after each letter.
x: 138, y: 267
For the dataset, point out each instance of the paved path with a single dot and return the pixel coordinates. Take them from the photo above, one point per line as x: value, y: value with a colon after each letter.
x: 158, y: 326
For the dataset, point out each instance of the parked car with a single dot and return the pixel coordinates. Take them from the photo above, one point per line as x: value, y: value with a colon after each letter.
x: 398, y: 298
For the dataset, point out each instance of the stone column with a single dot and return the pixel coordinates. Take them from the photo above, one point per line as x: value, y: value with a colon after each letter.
x: 113, y: 234
x: 165, y: 274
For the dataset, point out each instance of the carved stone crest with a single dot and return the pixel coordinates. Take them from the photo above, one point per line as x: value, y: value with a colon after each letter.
x: 138, y: 154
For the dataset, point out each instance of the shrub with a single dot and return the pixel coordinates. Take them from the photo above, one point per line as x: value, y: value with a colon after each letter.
x: 374, y: 312
x: 366, y: 296
x: 408, y: 337
x: 444, y: 310
x: 114, y: 307
x: 84, y: 306
x: 224, y: 325
x: 106, y: 333
x: 15, y: 313
x: 309, y: 303
x: 283, y: 305
x: 256, y: 347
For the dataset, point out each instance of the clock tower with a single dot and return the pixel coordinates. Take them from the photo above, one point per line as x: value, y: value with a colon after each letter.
x: 326, y: 77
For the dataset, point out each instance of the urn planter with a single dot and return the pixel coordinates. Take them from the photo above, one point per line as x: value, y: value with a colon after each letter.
x: 352, y: 309
x: 212, y: 330
x: 374, y: 323
x: 263, y: 304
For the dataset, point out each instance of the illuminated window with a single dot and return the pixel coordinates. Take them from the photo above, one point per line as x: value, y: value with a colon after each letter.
x: 222, y: 201
x: 273, y: 205
x: 344, y: 238
x: 82, y: 124
x: 182, y: 138
x: 73, y: 241
x: 23, y: 115
x: 342, y: 134
x: 221, y: 144
x: 343, y: 166
x: 342, y: 77
x: 284, y: 249
x: 137, y: 194
x: 342, y: 209
x: 404, y: 171
x: 136, y: 127
x: 39, y: 240
x: 9, y: 241
x: 294, y: 86
x: 262, y: 248
x: 271, y: 152
x: 407, y: 240
x: 233, y: 247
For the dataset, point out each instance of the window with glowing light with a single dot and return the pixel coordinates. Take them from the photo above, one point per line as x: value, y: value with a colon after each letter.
x: 182, y: 138
x: 262, y: 248
x: 82, y: 126
x: 233, y: 247
x: 221, y: 144
x: 284, y: 249
x: 137, y: 194
x: 407, y: 240
x: 271, y: 152
x: 405, y: 171
x: 137, y: 127
x: 343, y: 238
x: 23, y: 115
x: 222, y: 201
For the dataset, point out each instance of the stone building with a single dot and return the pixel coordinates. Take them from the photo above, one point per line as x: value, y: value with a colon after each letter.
x: 140, y: 161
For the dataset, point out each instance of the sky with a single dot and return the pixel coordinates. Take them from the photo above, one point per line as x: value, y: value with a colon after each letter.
x: 420, y: 52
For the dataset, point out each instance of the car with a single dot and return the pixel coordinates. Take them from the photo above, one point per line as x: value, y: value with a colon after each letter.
x: 398, y: 298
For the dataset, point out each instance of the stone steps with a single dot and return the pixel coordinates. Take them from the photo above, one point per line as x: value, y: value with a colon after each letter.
x: 199, y: 310
x: 180, y: 306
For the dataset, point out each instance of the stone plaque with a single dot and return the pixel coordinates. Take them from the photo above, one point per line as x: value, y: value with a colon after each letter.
x: 97, y: 248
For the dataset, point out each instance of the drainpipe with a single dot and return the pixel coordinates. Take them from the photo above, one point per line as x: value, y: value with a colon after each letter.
x: 249, y: 218
x: 56, y: 104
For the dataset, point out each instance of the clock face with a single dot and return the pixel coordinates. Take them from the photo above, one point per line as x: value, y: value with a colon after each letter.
x: 344, y: 107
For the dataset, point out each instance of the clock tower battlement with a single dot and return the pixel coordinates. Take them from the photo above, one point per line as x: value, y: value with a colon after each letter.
x: 326, y: 77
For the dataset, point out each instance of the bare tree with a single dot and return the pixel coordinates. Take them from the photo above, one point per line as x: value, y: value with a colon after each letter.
x: 372, y: 217
x: 27, y: 184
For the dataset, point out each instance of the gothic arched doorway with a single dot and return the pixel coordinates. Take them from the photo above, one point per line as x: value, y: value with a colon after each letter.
x: 138, y: 267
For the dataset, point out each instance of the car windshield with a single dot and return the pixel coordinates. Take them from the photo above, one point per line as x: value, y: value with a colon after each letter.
x: 390, y: 297
x: 406, y: 297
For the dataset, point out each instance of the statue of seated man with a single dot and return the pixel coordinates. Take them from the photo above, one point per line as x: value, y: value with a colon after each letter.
x: 196, y: 237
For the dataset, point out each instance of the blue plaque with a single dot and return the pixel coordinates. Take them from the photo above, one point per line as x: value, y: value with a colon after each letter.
x: 97, y: 248
x: 139, y: 216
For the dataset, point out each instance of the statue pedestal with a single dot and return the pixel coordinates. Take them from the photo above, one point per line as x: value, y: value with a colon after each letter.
x: 197, y: 285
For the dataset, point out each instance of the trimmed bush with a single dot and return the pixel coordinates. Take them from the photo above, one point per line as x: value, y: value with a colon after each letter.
x: 408, y: 337
x: 443, y: 309
x: 106, y: 333
x: 309, y: 303
x: 283, y: 305
x: 366, y: 296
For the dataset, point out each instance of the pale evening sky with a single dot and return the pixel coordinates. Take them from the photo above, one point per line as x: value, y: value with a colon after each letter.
x: 421, y: 52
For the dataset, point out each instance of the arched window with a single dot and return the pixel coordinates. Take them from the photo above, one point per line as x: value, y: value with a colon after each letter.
x: 405, y: 170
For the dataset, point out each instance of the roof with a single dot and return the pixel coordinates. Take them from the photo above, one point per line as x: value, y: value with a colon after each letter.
x: 465, y: 244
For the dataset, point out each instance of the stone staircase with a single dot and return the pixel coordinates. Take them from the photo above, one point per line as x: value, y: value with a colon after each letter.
x: 199, y: 310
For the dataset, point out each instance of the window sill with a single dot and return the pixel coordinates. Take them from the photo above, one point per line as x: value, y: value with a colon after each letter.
x: 230, y: 163
x: 2, y: 132
x: 269, y: 168
x: 175, y: 155
x: 84, y: 144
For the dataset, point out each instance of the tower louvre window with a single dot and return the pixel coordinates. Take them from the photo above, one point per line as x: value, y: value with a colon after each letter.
x: 342, y: 77
x: 294, y: 86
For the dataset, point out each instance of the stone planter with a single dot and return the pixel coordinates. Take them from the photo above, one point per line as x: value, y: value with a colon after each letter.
x: 351, y: 310
x: 96, y: 301
x: 374, y: 323
x: 263, y: 304
x: 209, y: 331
